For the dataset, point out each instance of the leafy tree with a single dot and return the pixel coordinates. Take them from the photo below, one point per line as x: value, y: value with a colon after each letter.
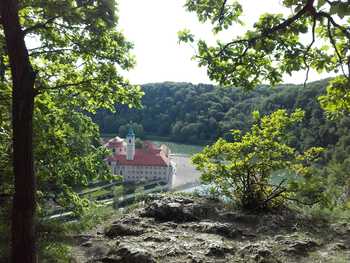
x: 137, y: 128
x: 138, y: 143
x: 244, y: 170
x: 73, y: 60
x: 68, y: 155
x: 337, y: 100
x: 117, y: 195
x: 123, y: 130
x: 274, y: 46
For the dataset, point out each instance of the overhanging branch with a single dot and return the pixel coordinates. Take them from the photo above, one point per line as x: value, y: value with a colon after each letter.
x: 308, y: 8
x: 66, y: 85
x: 39, y: 25
x: 308, y: 50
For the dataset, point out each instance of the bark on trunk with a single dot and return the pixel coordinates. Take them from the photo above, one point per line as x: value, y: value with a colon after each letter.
x: 23, y: 77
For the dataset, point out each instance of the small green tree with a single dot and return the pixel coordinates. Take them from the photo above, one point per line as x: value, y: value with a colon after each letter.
x: 118, y: 193
x: 138, y: 143
x: 139, y: 192
x: 245, y: 170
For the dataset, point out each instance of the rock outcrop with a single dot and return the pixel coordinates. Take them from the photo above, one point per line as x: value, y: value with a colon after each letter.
x: 193, y: 230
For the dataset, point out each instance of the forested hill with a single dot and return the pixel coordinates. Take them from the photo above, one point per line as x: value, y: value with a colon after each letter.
x: 197, y: 113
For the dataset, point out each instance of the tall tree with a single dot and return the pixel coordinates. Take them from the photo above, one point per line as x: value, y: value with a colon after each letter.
x: 23, y: 78
x: 276, y: 45
x: 72, y: 58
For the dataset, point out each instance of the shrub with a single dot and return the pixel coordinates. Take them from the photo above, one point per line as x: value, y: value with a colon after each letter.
x: 258, y: 169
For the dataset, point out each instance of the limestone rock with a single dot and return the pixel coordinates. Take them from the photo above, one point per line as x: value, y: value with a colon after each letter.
x: 128, y: 255
x: 222, y: 229
x: 217, y: 250
x: 120, y: 229
x: 175, y: 229
x: 301, y: 247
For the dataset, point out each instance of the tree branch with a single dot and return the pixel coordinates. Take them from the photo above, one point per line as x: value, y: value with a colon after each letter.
x: 39, y: 25
x: 50, y: 51
x: 58, y: 87
x: 251, y: 41
x: 307, y: 51
x: 331, y: 39
x: 345, y: 31
x: 222, y: 12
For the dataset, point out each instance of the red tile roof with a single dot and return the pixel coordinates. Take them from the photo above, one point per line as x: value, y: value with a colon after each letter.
x: 150, y: 155
x: 142, y: 157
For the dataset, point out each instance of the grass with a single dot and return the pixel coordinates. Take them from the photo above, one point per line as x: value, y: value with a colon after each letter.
x: 98, y: 193
x: 337, y: 214
x: 56, y: 238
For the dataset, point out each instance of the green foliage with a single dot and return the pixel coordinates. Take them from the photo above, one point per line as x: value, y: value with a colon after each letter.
x: 78, y: 53
x: 96, y: 214
x: 242, y: 170
x: 221, y: 13
x: 201, y: 113
x: 68, y: 153
x: 276, y: 45
x: 337, y: 100
x: 117, y: 194
x: 185, y: 36
x: 55, y: 237
x: 139, y: 193
x: 137, y: 128
x: 138, y: 143
x: 5, y: 143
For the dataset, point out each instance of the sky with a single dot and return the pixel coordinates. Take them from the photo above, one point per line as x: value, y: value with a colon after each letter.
x: 152, y: 26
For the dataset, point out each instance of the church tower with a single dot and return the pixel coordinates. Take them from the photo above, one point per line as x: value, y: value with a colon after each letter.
x: 130, y: 145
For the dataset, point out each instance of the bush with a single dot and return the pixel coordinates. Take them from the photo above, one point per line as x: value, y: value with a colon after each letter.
x: 259, y: 170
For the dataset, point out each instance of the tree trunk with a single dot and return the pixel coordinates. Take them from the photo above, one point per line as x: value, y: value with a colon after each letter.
x: 23, y: 77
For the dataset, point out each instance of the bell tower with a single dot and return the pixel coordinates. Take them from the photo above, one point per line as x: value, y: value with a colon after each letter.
x: 130, y: 145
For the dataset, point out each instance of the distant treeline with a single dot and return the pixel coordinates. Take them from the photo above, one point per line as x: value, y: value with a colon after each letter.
x: 191, y: 113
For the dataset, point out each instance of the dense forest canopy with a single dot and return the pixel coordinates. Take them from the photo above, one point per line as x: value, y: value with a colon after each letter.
x: 200, y: 113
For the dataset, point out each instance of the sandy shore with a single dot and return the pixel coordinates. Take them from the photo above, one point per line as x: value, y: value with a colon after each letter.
x: 185, y: 171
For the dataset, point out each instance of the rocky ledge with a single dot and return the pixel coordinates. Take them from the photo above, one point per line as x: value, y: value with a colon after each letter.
x: 190, y: 229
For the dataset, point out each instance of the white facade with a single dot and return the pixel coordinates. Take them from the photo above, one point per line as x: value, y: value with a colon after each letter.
x: 140, y: 165
x: 141, y: 173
